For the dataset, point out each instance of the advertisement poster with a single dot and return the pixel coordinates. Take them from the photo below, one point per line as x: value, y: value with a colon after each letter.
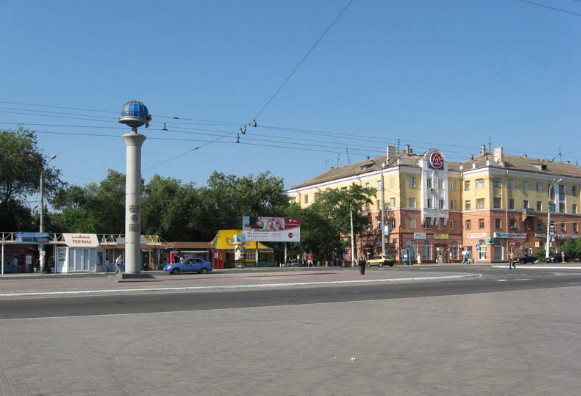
x: 272, y: 229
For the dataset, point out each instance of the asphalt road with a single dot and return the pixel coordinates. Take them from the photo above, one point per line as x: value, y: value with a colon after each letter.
x: 492, y: 280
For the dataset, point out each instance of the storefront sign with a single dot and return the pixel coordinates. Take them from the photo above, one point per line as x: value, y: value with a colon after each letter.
x: 512, y: 235
x: 272, y: 229
x: 420, y: 235
x: 441, y: 236
x: 143, y: 240
x: 477, y: 235
x: 32, y: 237
x: 81, y: 240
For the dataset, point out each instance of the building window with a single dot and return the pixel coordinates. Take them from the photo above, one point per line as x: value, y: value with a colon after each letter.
x: 479, y: 183
x: 453, y: 204
x: 539, y: 206
x: 525, y: 204
x: 293, y: 199
x: 574, y: 208
x: 561, y: 207
x: 441, y: 204
x: 412, y: 222
x: 427, y: 222
x: 561, y: 190
x: 429, y: 203
x: 468, y: 224
x: 440, y: 223
x: 467, y: 205
x: 525, y: 186
x: 498, y: 223
x: 540, y: 226
x: 467, y: 185
x: 412, y: 202
x: 480, y: 203
x: 576, y: 228
x: 574, y: 191
x: 453, y: 185
x: 511, y: 203
x: 539, y: 187
x: 510, y: 184
x: 306, y: 198
x: 441, y: 184
x: 496, y: 183
x: 512, y: 224
x: 453, y: 224
x: 496, y: 203
x: 480, y: 223
x: 367, y: 186
x: 429, y: 182
x: 392, y: 202
x: 412, y: 182
x: 563, y: 227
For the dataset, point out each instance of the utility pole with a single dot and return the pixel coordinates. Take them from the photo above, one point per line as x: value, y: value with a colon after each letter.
x: 352, y: 236
x: 41, y: 251
x: 548, y: 247
x: 382, y: 214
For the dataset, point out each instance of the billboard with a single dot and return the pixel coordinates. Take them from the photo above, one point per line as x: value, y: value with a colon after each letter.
x: 272, y: 229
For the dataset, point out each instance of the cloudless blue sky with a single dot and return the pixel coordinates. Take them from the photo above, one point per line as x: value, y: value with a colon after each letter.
x: 452, y: 74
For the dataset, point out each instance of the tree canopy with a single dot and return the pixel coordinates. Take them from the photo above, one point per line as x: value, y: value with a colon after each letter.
x: 21, y: 166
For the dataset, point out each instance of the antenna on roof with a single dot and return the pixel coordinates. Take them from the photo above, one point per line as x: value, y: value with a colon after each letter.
x: 398, y: 145
x: 347, y: 151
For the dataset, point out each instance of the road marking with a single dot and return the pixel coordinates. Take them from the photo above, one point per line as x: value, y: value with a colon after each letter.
x: 264, y: 285
x: 502, y: 280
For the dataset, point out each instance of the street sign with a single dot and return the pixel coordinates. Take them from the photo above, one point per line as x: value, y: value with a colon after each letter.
x: 512, y: 243
x: 551, y: 229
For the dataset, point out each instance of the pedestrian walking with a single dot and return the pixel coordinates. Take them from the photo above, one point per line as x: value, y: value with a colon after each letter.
x: 362, y: 263
x: 511, y: 261
x: 118, y: 263
x: 310, y: 259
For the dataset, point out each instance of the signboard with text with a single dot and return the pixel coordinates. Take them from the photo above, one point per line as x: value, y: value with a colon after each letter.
x: 271, y: 229
x: 32, y: 237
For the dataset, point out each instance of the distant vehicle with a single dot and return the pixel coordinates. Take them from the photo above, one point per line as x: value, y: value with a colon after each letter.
x: 556, y: 258
x: 381, y: 260
x: 198, y: 265
x: 526, y: 258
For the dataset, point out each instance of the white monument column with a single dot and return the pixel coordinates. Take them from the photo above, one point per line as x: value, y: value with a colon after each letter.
x: 134, y: 115
x: 133, y: 142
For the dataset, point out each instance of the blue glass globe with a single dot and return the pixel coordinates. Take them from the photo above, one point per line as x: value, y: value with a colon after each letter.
x: 135, y: 114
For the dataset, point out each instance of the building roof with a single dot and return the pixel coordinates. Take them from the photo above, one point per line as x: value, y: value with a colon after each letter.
x: 405, y: 158
x: 188, y: 245
x: 525, y: 164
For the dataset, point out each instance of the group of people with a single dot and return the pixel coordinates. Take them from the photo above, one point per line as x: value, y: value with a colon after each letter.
x: 306, y: 259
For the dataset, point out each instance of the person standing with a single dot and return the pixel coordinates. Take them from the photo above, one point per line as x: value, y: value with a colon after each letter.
x: 362, y: 263
x: 118, y: 263
x: 310, y: 259
x: 511, y: 262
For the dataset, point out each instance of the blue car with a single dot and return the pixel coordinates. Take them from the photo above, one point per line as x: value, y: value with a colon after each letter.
x: 198, y: 265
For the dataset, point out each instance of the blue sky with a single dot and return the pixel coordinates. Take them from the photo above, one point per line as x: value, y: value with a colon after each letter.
x: 453, y: 74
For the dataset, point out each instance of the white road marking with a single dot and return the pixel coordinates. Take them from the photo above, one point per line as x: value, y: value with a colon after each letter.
x: 265, y: 285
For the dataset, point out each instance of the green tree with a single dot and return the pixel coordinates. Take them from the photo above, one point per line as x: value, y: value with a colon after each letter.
x: 335, y: 207
x: 95, y: 208
x: 173, y: 211
x: 21, y: 165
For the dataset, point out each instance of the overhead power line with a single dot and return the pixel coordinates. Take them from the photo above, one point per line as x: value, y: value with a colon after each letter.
x: 550, y: 7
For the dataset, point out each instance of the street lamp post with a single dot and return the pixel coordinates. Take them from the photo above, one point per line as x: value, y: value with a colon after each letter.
x: 41, y: 213
x: 548, y: 247
x: 382, y: 208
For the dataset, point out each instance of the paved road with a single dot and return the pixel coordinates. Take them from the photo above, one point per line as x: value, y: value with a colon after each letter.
x: 503, y: 333
x: 286, y: 288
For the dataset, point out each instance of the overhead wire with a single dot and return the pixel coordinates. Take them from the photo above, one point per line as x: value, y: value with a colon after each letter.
x: 549, y: 7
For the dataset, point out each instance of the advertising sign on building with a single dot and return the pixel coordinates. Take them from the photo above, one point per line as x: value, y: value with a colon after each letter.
x: 272, y: 229
x: 420, y: 235
x: 511, y: 235
x: 31, y: 237
x: 81, y: 240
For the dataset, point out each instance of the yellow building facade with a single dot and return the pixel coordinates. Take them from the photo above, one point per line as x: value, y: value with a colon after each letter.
x: 437, y: 210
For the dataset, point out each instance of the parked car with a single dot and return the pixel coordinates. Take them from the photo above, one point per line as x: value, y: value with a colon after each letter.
x: 556, y: 258
x: 526, y: 258
x: 198, y: 265
x: 381, y: 260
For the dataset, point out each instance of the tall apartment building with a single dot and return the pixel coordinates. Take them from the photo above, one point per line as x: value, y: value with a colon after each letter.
x: 434, y: 208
